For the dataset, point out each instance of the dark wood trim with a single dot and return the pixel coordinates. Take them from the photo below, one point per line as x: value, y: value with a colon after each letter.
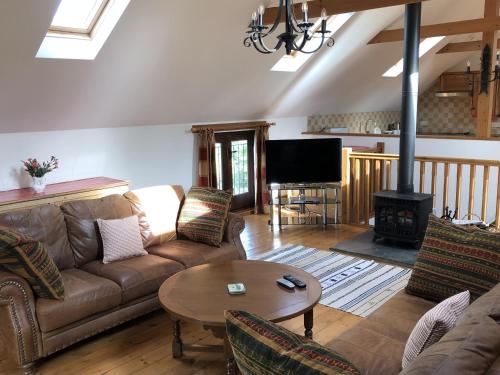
x: 231, y: 126
x: 333, y: 7
x: 432, y: 136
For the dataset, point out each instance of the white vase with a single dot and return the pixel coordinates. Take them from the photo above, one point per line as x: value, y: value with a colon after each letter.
x: 39, y: 184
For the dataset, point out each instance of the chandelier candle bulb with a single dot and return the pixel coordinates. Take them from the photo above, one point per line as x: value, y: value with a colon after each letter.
x: 260, y: 13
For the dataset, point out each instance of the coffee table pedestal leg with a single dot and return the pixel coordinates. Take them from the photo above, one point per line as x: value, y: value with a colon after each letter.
x: 177, y: 342
x: 308, y: 324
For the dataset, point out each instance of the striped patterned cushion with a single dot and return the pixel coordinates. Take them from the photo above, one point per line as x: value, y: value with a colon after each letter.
x: 121, y: 239
x: 203, y: 215
x: 434, y: 325
x: 454, y: 259
x: 29, y: 259
x: 264, y: 348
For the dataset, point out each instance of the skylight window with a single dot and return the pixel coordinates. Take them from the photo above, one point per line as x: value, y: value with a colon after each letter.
x: 425, y: 46
x: 293, y: 62
x: 80, y: 28
x: 77, y: 15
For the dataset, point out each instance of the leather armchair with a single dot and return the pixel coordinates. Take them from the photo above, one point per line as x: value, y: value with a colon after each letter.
x: 19, y: 330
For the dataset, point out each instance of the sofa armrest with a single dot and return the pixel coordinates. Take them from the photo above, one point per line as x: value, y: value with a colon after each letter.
x: 19, y: 330
x: 235, y: 225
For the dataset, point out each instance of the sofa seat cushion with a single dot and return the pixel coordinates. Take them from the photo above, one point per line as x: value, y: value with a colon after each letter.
x: 370, y: 348
x: 85, y: 295
x: 454, y: 259
x: 137, y: 277
x: 401, y: 313
x: 192, y: 254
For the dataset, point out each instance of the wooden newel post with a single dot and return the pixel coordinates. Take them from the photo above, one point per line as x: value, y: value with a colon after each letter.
x: 485, y: 99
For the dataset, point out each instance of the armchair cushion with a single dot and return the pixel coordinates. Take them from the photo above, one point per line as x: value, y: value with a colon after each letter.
x: 454, y: 259
x: 29, y: 259
x: 203, y: 215
x: 264, y: 348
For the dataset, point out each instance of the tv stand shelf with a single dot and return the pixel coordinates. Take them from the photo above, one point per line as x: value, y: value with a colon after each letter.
x: 298, y: 202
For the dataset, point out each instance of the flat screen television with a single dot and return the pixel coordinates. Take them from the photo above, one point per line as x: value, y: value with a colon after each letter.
x: 304, y: 161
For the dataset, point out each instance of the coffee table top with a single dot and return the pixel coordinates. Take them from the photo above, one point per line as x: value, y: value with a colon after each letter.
x: 200, y: 293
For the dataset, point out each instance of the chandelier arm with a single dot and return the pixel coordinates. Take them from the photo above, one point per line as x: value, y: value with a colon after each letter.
x: 293, y: 20
x: 305, y: 39
x: 266, y: 48
x: 277, y: 20
x: 257, y: 47
x: 323, y: 38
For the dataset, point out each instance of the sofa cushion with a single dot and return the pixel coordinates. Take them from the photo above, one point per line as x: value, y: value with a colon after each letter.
x: 435, y: 324
x: 137, y: 277
x: 370, y: 347
x: 264, y: 348
x: 203, y: 215
x: 454, y: 259
x: 121, y: 239
x: 85, y: 295
x: 81, y: 219
x: 467, y: 350
x: 30, y: 260
x: 45, y: 224
x: 157, y: 208
x: 192, y: 254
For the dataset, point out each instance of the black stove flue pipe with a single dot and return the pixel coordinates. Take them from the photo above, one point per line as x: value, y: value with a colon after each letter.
x: 409, y: 106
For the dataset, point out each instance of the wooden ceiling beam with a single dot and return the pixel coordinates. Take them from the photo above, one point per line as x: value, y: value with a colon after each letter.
x: 335, y: 7
x: 480, y: 25
x: 471, y: 46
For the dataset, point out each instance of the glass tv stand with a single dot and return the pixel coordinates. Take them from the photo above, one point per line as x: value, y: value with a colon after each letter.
x: 304, y: 204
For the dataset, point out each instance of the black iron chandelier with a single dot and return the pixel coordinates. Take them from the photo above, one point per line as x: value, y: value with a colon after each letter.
x: 257, y: 31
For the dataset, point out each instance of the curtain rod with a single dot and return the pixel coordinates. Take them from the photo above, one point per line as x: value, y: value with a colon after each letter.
x: 231, y: 126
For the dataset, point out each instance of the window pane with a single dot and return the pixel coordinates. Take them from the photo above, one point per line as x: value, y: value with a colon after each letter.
x: 76, y: 14
x: 239, y: 151
x: 218, y: 165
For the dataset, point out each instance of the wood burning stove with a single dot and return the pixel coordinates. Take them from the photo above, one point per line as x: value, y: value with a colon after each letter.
x: 402, y: 215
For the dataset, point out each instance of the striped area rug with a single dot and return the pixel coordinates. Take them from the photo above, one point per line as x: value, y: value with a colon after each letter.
x: 350, y: 284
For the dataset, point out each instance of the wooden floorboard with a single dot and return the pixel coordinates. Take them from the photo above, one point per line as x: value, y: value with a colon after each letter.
x: 143, y: 346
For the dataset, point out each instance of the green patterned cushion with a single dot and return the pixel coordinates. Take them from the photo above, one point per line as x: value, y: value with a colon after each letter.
x: 264, y: 348
x: 29, y: 259
x: 454, y: 259
x: 203, y: 215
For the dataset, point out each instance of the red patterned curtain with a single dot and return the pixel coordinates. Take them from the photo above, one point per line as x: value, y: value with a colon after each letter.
x: 206, y: 157
x: 262, y: 194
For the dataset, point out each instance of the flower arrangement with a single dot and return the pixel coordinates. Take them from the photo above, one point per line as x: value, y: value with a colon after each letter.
x: 35, y: 169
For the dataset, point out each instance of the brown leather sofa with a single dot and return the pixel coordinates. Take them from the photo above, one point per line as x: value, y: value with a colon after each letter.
x: 97, y: 296
x: 376, y: 344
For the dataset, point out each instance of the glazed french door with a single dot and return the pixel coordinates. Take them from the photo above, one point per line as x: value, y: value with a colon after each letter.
x: 234, y: 167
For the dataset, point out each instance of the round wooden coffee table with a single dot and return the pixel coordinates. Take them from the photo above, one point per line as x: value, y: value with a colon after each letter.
x: 199, y: 294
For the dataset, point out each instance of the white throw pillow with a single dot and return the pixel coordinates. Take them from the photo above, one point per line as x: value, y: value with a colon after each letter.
x: 121, y: 239
x: 434, y: 324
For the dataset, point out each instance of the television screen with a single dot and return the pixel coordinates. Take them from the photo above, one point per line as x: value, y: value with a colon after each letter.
x: 304, y: 161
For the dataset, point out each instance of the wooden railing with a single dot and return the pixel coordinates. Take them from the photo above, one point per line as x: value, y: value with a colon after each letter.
x: 367, y: 173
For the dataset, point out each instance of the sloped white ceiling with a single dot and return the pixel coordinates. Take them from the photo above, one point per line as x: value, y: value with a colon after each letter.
x: 182, y: 61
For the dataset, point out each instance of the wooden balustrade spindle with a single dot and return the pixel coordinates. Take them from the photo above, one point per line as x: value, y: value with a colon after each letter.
x: 446, y: 184
x: 422, y: 177
x: 388, y: 172
x: 484, y: 203
x: 472, y: 187
x: 434, y: 183
x: 498, y: 201
x: 378, y: 182
x: 367, y: 192
x: 458, y: 191
x: 357, y: 190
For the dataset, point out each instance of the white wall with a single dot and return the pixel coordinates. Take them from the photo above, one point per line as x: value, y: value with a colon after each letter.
x: 146, y: 156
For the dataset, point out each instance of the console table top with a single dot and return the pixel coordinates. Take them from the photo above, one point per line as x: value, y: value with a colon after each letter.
x: 62, y: 188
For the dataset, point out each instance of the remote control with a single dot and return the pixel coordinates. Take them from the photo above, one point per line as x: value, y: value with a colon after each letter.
x: 285, y: 283
x: 298, y: 283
